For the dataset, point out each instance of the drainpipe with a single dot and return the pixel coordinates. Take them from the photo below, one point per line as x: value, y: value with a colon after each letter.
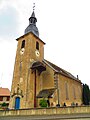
x: 58, y: 96
x: 35, y: 91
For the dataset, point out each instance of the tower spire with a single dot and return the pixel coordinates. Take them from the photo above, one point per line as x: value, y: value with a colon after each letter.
x: 32, y: 24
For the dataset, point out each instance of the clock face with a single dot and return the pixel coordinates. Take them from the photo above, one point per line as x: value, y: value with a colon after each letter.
x: 37, y: 53
x: 22, y: 51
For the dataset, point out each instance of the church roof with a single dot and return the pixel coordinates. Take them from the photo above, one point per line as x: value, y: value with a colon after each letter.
x: 46, y: 93
x: 4, y: 92
x: 60, y: 70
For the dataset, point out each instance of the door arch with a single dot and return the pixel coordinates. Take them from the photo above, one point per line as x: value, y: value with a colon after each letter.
x: 17, y: 103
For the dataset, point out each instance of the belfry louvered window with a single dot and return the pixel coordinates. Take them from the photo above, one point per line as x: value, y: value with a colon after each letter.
x: 23, y: 44
x: 37, y: 45
x: 74, y: 93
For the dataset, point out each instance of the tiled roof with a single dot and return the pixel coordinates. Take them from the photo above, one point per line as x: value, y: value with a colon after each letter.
x: 60, y: 70
x: 4, y: 92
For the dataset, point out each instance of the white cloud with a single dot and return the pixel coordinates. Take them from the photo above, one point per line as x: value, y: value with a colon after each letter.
x: 9, y: 23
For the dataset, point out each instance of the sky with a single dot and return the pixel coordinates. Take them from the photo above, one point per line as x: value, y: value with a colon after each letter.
x: 64, y: 25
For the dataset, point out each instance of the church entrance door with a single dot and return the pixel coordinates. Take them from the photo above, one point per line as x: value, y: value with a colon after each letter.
x: 17, y: 103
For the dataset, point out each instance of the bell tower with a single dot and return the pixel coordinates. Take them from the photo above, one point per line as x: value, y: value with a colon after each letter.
x: 26, y: 76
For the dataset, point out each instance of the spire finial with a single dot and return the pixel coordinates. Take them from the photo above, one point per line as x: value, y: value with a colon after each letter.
x: 33, y: 6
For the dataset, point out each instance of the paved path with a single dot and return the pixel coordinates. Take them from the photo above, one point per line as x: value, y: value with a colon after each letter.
x: 51, y: 117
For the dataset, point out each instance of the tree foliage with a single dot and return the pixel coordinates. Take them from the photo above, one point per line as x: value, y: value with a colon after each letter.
x: 4, y: 104
x: 43, y: 103
x: 86, y: 94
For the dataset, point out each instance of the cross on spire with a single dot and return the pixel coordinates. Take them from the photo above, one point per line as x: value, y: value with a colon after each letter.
x: 33, y: 6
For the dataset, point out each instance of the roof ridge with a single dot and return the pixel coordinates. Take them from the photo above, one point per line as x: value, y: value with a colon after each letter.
x: 56, y: 66
x: 4, y: 88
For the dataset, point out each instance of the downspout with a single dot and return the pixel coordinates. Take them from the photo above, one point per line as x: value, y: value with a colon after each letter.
x: 35, y: 91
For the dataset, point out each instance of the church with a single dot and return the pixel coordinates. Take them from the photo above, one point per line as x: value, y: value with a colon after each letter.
x: 36, y: 78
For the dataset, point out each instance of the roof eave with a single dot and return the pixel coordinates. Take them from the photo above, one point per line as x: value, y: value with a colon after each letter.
x: 50, y: 66
x: 4, y: 95
x: 28, y: 34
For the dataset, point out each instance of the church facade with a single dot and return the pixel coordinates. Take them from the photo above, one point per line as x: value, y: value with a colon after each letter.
x: 35, y: 78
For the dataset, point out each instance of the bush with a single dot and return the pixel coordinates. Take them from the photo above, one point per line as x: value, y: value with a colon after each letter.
x: 4, y: 104
x: 43, y: 103
x: 72, y: 104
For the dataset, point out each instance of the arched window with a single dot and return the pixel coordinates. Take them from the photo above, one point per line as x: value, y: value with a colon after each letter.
x: 74, y: 92
x: 37, y: 45
x: 66, y: 89
x: 31, y: 21
x: 23, y: 44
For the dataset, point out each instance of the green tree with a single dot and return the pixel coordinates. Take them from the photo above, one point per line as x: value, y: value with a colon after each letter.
x: 86, y: 94
x: 43, y: 103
